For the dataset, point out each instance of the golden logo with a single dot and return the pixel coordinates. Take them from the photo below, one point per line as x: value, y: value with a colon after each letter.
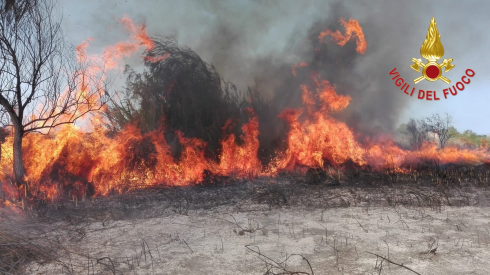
x: 432, y: 50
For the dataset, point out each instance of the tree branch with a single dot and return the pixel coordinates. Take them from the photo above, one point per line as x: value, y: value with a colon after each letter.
x: 400, y: 265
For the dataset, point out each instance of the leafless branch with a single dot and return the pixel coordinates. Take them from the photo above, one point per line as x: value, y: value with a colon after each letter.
x: 400, y: 265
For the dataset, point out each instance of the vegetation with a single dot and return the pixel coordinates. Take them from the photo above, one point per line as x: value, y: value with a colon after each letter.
x: 184, y: 94
x: 470, y: 139
x: 42, y: 85
x: 440, y: 131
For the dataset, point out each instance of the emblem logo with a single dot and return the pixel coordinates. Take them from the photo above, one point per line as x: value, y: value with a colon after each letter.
x: 432, y: 50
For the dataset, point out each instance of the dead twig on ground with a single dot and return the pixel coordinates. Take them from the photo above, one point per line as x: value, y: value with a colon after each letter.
x: 17, y: 250
x: 365, y: 230
x: 272, y: 264
x: 391, y: 262
x: 110, y: 267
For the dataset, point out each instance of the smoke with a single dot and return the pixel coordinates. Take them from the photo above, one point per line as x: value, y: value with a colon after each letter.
x: 255, y: 43
x: 375, y: 107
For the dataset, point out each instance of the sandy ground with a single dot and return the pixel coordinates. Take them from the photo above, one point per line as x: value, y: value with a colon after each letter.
x: 259, y: 239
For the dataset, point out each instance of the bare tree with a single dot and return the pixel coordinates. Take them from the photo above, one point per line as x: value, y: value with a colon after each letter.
x: 440, y: 126
x: 42, y: 83
x: 418, y: 132
x: 17, y: 7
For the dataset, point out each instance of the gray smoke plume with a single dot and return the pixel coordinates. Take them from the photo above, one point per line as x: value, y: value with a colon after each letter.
x: 254, y: 44
x: 376, y: 105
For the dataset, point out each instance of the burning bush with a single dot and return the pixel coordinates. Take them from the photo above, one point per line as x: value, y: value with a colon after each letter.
x: 178, y: 122
x: 180, y: 93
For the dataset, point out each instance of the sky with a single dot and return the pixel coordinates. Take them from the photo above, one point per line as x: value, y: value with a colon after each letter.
x: 237, y: 36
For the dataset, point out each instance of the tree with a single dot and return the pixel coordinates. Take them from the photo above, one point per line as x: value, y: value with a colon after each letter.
x: 472, y: 139
x: 453, y: 131
x: 440, y: 127
x: 42, y: 82
x: 418, y: 132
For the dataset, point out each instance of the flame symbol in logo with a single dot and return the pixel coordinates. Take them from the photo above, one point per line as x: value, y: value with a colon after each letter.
x: 432, y: 50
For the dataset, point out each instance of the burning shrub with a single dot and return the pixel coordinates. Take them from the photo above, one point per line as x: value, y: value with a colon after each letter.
x: 180, y: 93
x: 178, y: 123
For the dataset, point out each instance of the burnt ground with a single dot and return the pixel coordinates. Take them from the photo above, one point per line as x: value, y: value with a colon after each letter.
x: 334, y: 224
x: 467, y: 187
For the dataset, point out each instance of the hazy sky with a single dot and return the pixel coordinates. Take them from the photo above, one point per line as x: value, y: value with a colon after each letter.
x: 232, y: 34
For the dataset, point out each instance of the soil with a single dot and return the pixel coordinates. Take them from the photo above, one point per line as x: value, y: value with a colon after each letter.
x: 270, y: 226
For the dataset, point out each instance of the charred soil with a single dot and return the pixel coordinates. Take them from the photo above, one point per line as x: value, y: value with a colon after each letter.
x: 75, y: 237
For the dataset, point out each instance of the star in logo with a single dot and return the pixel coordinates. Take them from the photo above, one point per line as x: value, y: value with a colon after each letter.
x: 432, y: 50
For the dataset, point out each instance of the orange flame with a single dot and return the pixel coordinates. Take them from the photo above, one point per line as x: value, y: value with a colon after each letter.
x: 296, y: 66
x: 113, y: 55
x: 352, y: 28
x: 318, y: 137
x: 77, y: 163
x: 241, y: 161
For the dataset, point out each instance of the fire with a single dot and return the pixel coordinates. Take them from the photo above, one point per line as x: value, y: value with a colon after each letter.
x: 296, y: 66
x: 75, y: 163
x: 156, y: 59
x: 318, y: 137
x: 138, y: 33
x: 129, y: 160
x: 113, y: 55
x: 242, y: 160
x: 352, y: 28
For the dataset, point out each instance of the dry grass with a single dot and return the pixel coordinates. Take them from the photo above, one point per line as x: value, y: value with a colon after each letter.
x: 57, y: 226
x: 17, y: 249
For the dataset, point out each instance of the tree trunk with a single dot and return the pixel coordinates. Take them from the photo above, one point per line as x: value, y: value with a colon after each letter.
x: 2, y: 197
x: 18, y: 162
